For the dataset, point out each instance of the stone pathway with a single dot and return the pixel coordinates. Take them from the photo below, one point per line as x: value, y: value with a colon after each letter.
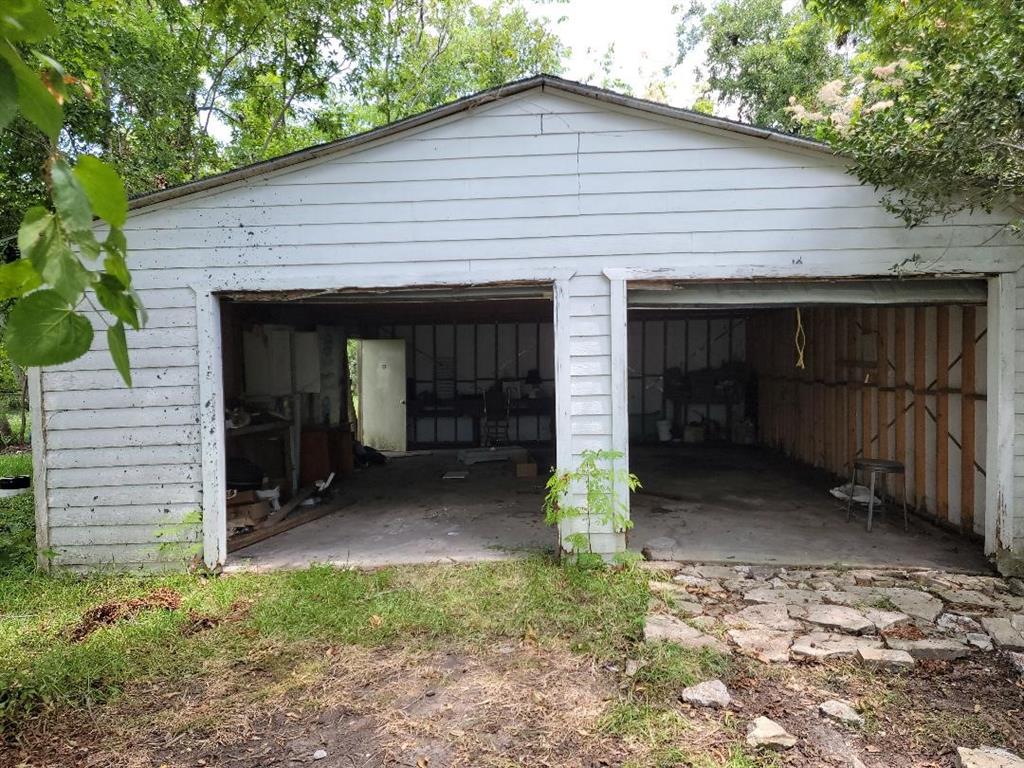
x: 779, y: 615
x: 884, y: 619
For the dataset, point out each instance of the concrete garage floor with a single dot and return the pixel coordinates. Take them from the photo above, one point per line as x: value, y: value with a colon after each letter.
x: 404, y: 512
x: 702, y: 504
x: 738, y: 504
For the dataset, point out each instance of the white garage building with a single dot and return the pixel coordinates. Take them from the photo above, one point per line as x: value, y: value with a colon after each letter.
x: 609, y: 266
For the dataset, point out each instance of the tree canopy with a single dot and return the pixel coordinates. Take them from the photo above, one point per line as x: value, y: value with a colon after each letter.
x: 758, y: 55
x: 926, y: 98
x: 936, y: 111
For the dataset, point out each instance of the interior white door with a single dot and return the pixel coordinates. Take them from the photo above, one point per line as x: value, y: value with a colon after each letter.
x: 382, y: 394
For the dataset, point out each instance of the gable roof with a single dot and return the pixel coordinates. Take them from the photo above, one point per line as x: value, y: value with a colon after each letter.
x: 465, y: 104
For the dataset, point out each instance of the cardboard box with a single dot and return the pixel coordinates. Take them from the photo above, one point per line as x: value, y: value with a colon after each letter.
x: 526, y: 469
x: 242, y: 497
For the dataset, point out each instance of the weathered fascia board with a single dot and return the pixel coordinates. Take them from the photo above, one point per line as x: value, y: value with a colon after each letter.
x: 342, y: 277
x: 800, y: 274
x: 857, y: 292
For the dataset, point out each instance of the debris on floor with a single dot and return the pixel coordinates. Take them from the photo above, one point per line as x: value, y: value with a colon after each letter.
x: 455, y: 474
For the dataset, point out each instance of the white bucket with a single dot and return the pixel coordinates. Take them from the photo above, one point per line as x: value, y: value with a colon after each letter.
x: 664, y: 430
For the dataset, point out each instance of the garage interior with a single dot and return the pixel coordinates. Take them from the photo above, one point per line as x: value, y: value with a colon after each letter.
x: 744, y: 418
x: 739, y: 447
x: 394, y: 427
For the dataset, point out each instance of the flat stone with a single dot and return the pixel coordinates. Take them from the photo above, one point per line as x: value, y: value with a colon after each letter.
x: 764, y: 615
x: 691, y: 580
x: 918, y: 604
x: 932, y: 649
x: 716, y: 571
x: 885, y: 658
x: 840, y: 712
x: 1016, y: 661
x: 987, y: 757
x: 866, y: 578
x: 1003, y: 633
x: 767, y: 733
x: 1016, y: 586
x: 956, y: 622
x: 682, y: 601
x: 766, y: 645
x: 660, y: 626
x: 320, y: 754
x: 826, y: 645
x: 885, y: 620
x: 932, y: 579
x: 784, y: 595
x: 821, y: 585
x: 838, y: 617
x: 654, y: 565
x: 979, y: 640
x: 967, y: 598
x: 712, y: 693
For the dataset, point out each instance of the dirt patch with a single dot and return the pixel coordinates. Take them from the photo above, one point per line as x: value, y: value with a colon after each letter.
x: 904, y: 632
x: 510, y: 705
x: 911, y: 721
x: 201, y: 622
x: 162, y: 598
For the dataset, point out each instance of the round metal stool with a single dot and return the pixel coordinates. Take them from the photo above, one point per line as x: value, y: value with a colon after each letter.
x: 876, y: 468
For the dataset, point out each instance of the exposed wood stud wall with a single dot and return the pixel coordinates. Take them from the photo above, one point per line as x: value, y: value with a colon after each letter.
x: 866, y: 391
x: 942, y: 413
x: 968, y: 407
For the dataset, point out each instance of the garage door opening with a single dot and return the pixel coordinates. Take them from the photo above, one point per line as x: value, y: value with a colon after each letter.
x: 745, y: 421
x: 398, y: 427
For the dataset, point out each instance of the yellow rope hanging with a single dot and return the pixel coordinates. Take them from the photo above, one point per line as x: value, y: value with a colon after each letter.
x: 800, y: 340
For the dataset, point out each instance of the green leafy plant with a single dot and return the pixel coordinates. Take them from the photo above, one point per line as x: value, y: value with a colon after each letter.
x: 600, y: 482
x: 62, y: 261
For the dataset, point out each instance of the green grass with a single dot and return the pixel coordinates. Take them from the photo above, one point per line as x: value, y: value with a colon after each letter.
x: 17, y: 533
x: 595, y: 612
x: 16, y: 463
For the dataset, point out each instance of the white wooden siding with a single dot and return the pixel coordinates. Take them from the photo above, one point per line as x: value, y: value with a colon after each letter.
x: 516, y: 186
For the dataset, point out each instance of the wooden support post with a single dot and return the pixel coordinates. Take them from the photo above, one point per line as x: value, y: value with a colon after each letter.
x: 968, y: 435
x: 829, y: 373
x: 882, y: 393
x: 900, y: 398
x: 852, y: 389
x: 942, y: 412
x: 920, y: 433
x: 867, y: 383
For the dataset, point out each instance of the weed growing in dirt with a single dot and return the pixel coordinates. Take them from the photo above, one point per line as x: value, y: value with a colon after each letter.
x: 667, y: 668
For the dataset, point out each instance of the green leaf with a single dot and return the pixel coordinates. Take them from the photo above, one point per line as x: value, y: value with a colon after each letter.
x: 8, y: 94
x: 25, y: 21
x: 119, y: 351
x: 104, y: 188
x: 41, y: 240
x: 111, y: 294
x: 18, y: 278
x: 43, y: 330
x: 38, y: 228
x: 115, y: 266
x: 35, y: 101
x: 70, y: 199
